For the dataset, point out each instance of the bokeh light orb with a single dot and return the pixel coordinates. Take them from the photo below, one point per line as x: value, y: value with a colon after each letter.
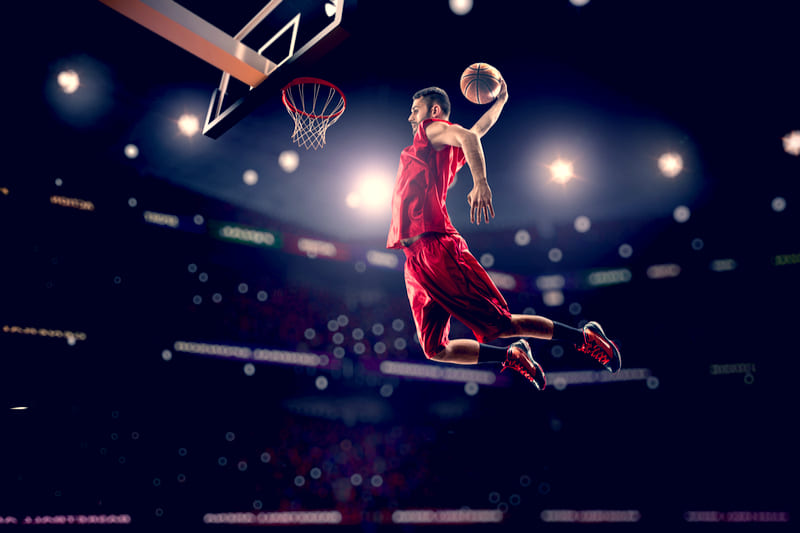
x: 131, y: 151
x: 582, y: 224
x: 288, y: 160
x: 681, y: 214
x: 250, y: 177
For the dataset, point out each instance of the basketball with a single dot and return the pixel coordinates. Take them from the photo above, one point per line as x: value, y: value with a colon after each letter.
x: 480, y: 83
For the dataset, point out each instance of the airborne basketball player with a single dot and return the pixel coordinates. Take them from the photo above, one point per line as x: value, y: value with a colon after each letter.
x: 443, y: 279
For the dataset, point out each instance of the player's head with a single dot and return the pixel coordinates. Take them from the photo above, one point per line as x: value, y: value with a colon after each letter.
x: 434, y: 96
x: 431, y: 102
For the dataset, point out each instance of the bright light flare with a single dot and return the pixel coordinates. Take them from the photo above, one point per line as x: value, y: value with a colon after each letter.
x: 188, y: 125
x: 353, y: 200
x: 372, y: 194
x: 69, y: 81
x: 561, y: 170
x: 791, y: 142
x: 670, y: 164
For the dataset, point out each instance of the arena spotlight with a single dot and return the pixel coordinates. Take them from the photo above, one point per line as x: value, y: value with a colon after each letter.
x: 460, y: 7
x: 372, y: 193
x: 131, y: 151
x: 561, y: 170
x: 69, y: 81
x: 670, y: 164
x: 188, y: 124
x: 791, y: 142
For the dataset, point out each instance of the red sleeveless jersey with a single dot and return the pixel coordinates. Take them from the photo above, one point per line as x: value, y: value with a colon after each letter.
x: 420, y: 192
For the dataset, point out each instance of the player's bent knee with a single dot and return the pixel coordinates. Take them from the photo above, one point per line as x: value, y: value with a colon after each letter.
x: 434, y: 353
x: 438, y: 356
x: 512, y: 329
x: 433, y: 356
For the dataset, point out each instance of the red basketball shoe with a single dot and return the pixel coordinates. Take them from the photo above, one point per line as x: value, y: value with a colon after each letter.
x: 600, y: 348
x: 520, y: 358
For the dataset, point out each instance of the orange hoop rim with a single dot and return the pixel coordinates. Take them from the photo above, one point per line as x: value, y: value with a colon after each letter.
x: 303, y: 81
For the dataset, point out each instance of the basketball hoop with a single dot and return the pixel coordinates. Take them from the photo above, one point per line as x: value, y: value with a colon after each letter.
x: 314, y: 105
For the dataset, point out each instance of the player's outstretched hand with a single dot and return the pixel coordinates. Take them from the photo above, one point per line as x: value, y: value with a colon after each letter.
x: 480, y: 203
x: 503, y: 94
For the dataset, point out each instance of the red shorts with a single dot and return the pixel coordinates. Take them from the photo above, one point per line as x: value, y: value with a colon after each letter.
x: 444, y: 279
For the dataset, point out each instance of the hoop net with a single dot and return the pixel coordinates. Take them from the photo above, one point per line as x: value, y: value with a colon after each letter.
x: 314, y: 105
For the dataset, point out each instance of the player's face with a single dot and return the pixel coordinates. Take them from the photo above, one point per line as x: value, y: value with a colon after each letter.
x: 419, y: 112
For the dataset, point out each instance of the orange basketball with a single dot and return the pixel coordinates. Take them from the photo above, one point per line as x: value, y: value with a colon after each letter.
x: 480, y: 83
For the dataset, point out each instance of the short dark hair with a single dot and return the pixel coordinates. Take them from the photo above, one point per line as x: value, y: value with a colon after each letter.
x: 434, y: 95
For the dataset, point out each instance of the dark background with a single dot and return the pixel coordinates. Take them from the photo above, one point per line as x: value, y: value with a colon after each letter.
x: 115, y: 426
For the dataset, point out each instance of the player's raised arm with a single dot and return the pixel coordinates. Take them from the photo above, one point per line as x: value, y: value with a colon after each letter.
x: 480, y: 197
x: 489, y: 118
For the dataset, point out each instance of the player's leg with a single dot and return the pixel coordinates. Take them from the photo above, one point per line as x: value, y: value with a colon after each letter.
x: 432, y: 322
x: 469, y: 352
x: 518, y: 357
x: 591, y: 339
x: 535, y: 326
x: 460, y: 352
x: 453, y: 279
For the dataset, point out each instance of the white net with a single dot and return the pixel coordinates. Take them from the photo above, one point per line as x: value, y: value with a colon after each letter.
x: 314, y: 105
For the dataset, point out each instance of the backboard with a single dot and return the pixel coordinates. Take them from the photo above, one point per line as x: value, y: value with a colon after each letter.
x: 278, y: 38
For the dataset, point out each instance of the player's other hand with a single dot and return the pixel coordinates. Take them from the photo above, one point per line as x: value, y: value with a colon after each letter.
x: 480, y: 203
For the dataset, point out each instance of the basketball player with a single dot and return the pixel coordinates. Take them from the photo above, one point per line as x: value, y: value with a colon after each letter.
x: 443, y: 279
